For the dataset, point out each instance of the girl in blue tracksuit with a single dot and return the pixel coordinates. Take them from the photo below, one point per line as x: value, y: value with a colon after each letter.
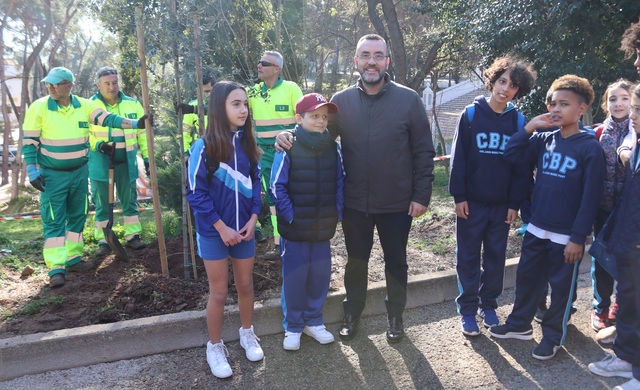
x: 566, y: 194
x: 224, y: 193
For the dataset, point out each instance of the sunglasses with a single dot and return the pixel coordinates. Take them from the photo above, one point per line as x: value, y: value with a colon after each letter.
x: 265, y: 63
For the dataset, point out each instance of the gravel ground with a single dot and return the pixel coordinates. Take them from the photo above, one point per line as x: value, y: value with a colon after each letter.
x: 434, y: 355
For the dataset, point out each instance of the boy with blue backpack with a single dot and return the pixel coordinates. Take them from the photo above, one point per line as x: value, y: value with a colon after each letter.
x: 487, y: 190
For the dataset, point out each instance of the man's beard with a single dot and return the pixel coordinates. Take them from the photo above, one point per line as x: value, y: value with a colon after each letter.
x: 372, y: 80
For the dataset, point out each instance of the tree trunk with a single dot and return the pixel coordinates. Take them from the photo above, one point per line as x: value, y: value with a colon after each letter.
x: 396, y: 41
x: 24, y: 98
x: 5, y: 109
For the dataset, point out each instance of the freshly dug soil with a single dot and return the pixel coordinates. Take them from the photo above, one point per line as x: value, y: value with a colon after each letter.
x: 117, y: 291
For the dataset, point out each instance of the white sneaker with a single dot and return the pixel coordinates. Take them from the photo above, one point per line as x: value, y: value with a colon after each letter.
x: 610, y: 366
x: 607, y: 335
x: 319, y: 333
x: 217, y: 359
x: 633, y: 384
x: 249, y: 341
x: 291, y: 341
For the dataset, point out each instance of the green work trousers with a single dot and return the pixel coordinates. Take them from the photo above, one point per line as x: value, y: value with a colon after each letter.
x: 63, y: 208
x: 128, y: 195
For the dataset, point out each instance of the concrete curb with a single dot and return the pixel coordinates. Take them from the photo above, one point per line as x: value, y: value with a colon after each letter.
x: 88, y: 345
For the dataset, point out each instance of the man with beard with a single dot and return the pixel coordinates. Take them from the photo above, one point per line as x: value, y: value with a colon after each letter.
x: 388, y: 159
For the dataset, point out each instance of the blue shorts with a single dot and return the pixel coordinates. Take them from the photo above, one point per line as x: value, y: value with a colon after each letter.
x: 212, y: 248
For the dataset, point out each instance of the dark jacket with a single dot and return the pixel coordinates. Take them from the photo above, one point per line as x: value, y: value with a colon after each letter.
x: 569, y: 179
x: 625, y: 239
x: 387, y: 148
x: 307, y: 185
x: 479, y: 171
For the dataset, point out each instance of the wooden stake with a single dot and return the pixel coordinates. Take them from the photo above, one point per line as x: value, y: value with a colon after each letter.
x: 198, y: 60
x: 187, y: 237
x: 149, y: 129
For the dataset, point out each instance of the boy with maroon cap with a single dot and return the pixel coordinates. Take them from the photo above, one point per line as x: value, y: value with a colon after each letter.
x: 307, y: 187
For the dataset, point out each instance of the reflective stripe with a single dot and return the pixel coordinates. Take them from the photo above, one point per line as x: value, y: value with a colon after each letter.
x: 130, y: 148
x: 101, y: 134
x: 130, y: 135
x: 102, y: 224
x: 115, y: 132
x: 74, y: 237
x: 64, y: 142
x: 54, y: 242
x: 273, y: 122
x: 131, y: 219
x: 65, y: 155
x: 120, y: 145
x: 28, y: 141
x: 31, y: 133
x: 268, y: 134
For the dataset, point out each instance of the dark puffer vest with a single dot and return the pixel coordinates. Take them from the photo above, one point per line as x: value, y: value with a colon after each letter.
x: 312, y: 190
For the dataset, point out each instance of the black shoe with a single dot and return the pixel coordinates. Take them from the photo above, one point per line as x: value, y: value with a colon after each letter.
x: 103, y: 250
x: 272, y: 254
x: 540, y: 312
x: 81, y: 266
x: 135, y: 243
x: 348, y: 328
x: 56, y: 280
x: 260, y: 238
x: 395, y: 333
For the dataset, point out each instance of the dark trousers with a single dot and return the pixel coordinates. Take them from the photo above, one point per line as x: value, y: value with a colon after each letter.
x: 393, y: 230
x: 480, y: 258
x: 542, y: 262
x: 601, y: 281
x: 627, y: 344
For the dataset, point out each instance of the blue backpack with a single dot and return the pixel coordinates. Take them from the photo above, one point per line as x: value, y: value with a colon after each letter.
x: 471, y: 109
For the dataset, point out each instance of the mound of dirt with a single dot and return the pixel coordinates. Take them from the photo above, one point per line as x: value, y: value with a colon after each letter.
x: 117, y: 291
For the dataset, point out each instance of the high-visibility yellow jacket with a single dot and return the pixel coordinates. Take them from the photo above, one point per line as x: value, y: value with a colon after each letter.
x: 57, y: 137
x: 190, y: 128
x: 273, y: 109
x: 127, y: 141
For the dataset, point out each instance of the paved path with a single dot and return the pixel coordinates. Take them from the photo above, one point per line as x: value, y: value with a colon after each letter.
x: 434, y: 355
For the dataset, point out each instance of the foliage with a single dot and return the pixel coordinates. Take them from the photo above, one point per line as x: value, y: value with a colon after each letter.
x: 34, y: 305
x: 579, y: 37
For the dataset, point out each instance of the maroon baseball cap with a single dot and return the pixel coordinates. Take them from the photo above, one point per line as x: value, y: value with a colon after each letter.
x: 313, y: 101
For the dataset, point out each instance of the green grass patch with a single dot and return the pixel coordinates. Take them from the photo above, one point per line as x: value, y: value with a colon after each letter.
x: 35, y: 305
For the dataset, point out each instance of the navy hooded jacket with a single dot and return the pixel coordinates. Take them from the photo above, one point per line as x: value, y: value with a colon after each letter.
x: 569, y: 180
x: 479, y: 171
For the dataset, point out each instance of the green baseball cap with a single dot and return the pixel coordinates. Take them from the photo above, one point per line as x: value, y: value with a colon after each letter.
x: 57, y: 75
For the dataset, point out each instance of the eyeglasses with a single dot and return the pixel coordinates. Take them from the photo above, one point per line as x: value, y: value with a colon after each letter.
x: 634, y: 110
x: 265, y: 63
x: 376, y: 57
x: 61, y: 84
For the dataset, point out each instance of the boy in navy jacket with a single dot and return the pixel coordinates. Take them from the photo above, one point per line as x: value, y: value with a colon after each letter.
x: 568, y: 188
x: 487, y: 189
x: 307, y: 187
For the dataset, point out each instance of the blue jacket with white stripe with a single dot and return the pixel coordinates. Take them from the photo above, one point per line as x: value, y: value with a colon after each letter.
x: 231, y: 193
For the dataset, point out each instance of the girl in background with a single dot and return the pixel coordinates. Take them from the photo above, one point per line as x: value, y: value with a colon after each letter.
x: 611, y: 134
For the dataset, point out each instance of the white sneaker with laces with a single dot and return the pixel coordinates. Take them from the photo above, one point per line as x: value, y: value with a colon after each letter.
x: 291, y: 341
x: 249, y: 341
x: 217, y: 359
x: 610, y: 366
x: 319, y: 333
x: 633, y: 384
